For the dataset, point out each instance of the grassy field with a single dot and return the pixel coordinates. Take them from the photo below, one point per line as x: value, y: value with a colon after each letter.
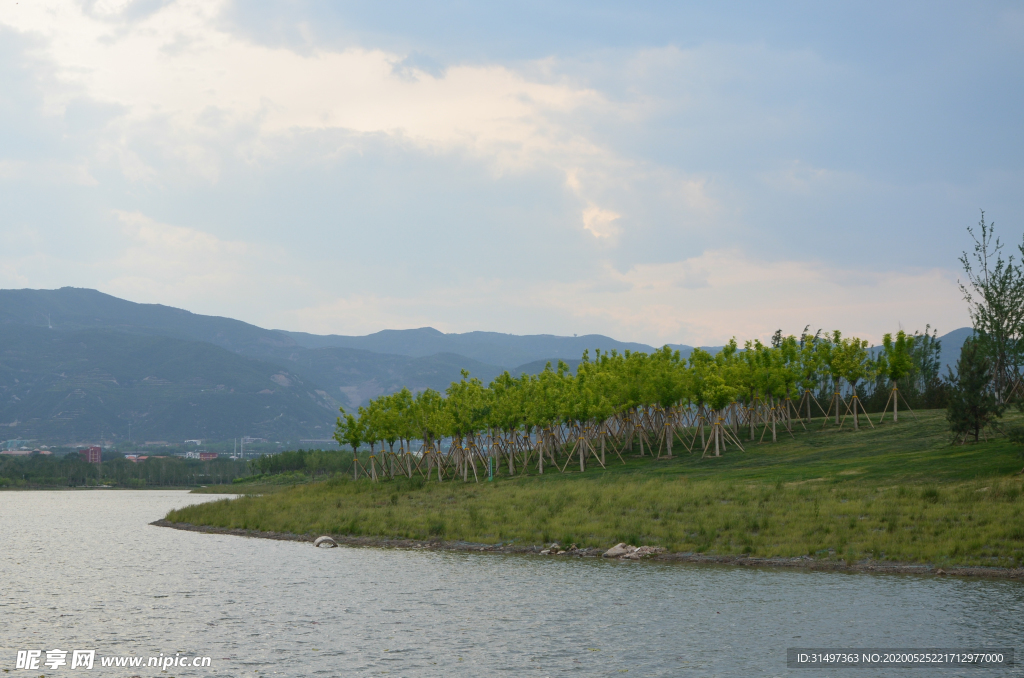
x: 898, y: 492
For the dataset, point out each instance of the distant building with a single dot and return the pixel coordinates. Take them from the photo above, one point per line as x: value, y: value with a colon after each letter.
x: 207, y: 456
x: 194, y: 442
x: 93, y: 455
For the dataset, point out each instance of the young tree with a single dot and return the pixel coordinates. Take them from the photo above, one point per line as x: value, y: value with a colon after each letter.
x: 995, y: 297
x: 895, y: 361
x: 349, y: 431
x: 854, y: 364
x: 973, y: 405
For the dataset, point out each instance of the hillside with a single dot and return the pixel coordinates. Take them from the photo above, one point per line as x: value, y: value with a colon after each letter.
x: 91, y: 384
x: 72, y: 308
x: 353, y: 376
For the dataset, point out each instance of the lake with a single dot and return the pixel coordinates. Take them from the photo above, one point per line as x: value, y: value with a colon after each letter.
x: 85, y: 570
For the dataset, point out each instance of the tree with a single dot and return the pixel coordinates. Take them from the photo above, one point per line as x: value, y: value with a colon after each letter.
x: 895, y: 361
x: 349, y: 431
x: 854, y: 364
x: 973, y: 404
x: 995, y: 297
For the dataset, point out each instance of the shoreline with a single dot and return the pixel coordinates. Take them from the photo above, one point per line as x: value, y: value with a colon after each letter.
x: 801, y: 562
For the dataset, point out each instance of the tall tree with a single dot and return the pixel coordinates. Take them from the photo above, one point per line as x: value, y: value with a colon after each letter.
x: 995, y: 297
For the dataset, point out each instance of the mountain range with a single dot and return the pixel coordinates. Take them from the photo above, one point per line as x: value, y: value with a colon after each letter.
x: 78, y: 364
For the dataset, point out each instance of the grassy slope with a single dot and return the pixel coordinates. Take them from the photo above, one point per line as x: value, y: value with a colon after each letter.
x: 897, y: 492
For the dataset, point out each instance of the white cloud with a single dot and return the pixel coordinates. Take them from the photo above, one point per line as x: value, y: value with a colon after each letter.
x: 177, y: 66
x: 601, y: 222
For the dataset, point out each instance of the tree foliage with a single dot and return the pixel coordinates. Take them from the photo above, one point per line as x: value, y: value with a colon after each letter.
x: 995, y: 297
x: 973, y: 405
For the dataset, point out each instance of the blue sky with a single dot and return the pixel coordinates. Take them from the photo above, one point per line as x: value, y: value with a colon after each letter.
x: 652, y: 171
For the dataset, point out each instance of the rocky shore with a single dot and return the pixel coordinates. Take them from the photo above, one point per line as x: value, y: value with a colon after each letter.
x: 619, y: 552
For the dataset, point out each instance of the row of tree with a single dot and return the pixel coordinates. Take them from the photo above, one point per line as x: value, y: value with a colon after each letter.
x: 657, y: 402
x: 71, y: 470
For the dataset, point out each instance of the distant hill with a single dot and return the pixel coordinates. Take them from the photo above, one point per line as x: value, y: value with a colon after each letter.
x: 952, y: 342
x: 354, y: 376
x: 72, y: 308
x: 77, y: 308
x: 91, y: 384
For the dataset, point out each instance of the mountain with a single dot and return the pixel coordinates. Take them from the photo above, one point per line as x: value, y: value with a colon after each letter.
x: 94, y: 383
x: 76, y: 308
x: 71, y: 308
x: 354, y: 376
x: 950, y: 349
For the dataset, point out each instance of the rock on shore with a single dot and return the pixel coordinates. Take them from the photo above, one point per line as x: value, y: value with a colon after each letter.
x: 628, y: 552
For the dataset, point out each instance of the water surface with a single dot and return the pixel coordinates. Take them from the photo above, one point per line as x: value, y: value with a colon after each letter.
x: 84, y: 570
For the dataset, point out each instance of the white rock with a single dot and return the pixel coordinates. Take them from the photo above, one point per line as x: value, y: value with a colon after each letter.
x: 619, y: 550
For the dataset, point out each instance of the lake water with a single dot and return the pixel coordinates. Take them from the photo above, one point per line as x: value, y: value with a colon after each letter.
x: 84, y: 570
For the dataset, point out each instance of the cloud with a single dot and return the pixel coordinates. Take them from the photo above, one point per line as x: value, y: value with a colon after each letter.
x: 177, y: 64
x: 601, y: 222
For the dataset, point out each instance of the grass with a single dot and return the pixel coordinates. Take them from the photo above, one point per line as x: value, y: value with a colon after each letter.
x: 898, y: 492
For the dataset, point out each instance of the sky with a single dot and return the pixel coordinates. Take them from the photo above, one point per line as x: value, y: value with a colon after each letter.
x: 655, y: 172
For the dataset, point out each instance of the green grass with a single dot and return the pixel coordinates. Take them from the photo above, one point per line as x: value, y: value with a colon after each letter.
x: 899, y: 493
